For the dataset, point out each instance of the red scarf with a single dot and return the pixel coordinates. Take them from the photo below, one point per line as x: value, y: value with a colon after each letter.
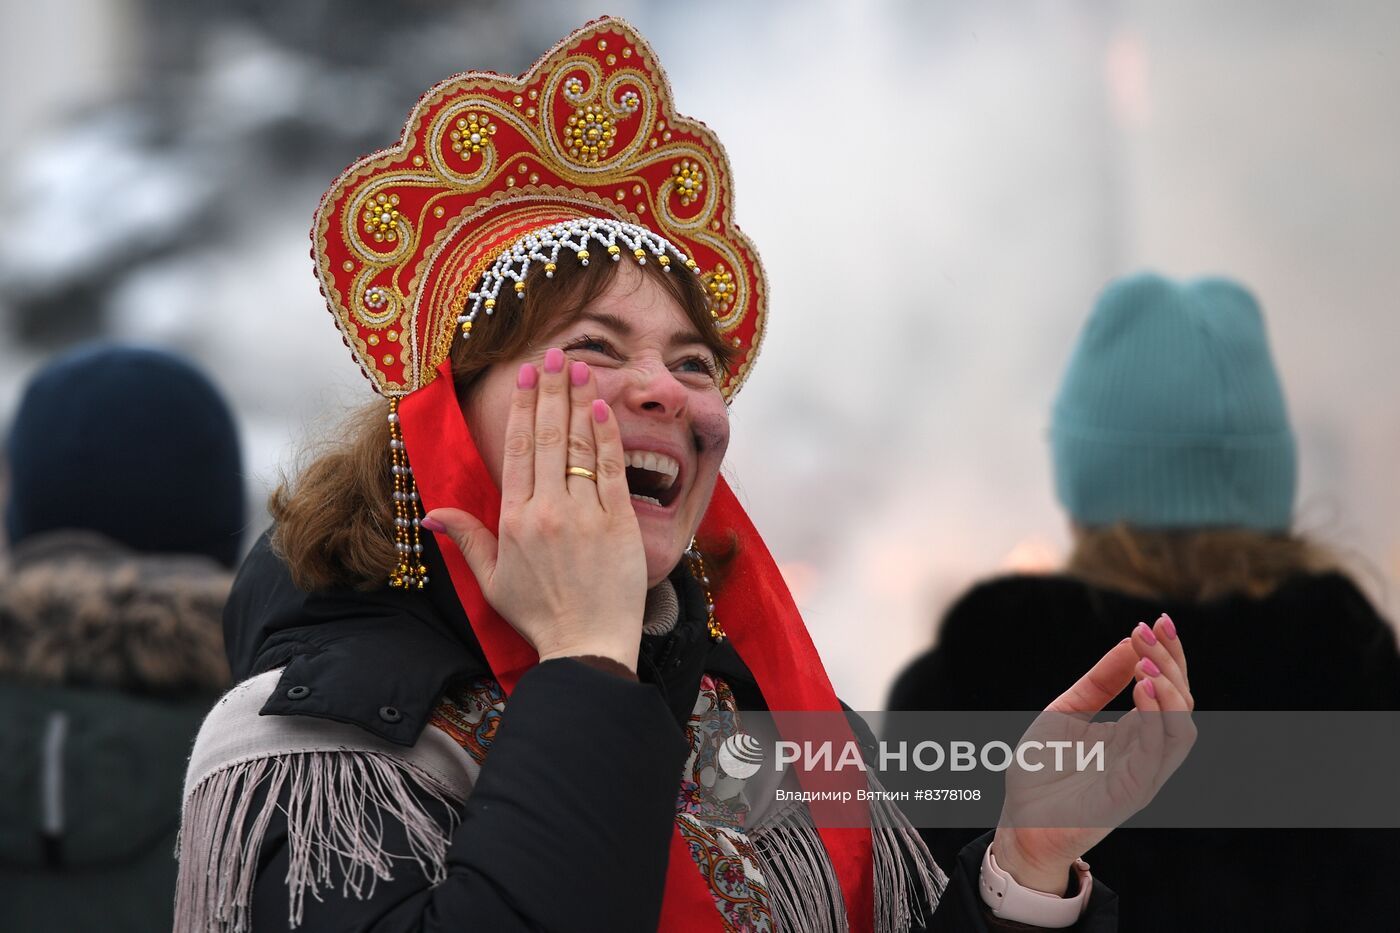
x: 754, y: 606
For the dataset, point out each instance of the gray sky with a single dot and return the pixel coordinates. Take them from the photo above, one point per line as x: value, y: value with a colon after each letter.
x: 939, y: 191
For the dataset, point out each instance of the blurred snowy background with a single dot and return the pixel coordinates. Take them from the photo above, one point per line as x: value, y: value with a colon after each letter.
x: 983, y: 167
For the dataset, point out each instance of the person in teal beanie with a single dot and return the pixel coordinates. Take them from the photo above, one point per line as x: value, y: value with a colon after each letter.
x: 124, y: 513
x: 1175, y: 461
x: 1171, y: 415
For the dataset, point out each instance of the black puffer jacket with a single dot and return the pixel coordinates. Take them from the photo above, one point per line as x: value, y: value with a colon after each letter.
x: 1314, y: 644
x: 550, y: 838
x: 108, y: 661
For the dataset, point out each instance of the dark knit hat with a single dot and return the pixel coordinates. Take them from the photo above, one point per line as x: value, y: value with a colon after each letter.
x: 135, y: 444
x: 1171, y: 414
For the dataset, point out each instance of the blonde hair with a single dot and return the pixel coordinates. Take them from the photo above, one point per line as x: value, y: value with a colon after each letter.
x: 333, y: 521
x: 1195, y: 565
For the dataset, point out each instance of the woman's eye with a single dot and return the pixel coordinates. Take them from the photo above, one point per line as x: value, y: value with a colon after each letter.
x: 591, y: 345
x: 698, y: 364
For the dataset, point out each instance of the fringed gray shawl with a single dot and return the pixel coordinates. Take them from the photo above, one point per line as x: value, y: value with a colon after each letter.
x: 338, y: 785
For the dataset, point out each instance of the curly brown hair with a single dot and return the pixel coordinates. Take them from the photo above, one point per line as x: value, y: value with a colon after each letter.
x: 334, y: 521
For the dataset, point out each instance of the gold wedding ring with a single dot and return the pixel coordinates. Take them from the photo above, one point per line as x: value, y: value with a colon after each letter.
x: 582, y: 471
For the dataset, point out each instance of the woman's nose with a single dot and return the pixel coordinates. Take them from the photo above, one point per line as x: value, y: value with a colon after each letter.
x: 656, y: 391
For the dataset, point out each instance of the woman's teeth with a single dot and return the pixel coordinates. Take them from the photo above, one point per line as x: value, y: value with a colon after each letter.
x: 640, y: 497
x: 661, y: 464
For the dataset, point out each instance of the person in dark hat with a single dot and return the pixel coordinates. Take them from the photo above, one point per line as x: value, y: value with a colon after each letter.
x: 125, y: 515
x: 1174, y: 458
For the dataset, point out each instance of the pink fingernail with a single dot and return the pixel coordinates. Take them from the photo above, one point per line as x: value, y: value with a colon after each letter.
x: 600, y: 410
x: 432, y: 524
x: 1152, y: 669
x: 1168, y: 626
x: 527, y: 377
x: 1146, y: 633
x: 578, y: 373
x: 554, y: 360
x: 1151, y: 690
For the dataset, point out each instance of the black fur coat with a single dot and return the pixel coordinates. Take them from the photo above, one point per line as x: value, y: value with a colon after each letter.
x: 1315, y: 643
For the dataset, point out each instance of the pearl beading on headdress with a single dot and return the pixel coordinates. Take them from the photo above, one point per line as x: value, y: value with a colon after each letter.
x: 544, y: 246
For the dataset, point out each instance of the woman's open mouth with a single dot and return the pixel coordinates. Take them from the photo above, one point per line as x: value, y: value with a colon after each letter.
x: 653, y: 477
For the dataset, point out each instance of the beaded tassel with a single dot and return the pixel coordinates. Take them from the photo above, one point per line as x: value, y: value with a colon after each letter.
x: 410, y: 573
x: 697, y: 570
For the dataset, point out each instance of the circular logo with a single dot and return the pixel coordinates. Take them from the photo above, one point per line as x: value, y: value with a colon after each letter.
x: 740, y: 756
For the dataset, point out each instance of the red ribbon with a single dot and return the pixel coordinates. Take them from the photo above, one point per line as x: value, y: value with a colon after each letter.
x: 754, y: 606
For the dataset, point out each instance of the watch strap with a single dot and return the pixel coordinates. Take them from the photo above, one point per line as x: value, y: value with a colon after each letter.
x: 1012, y: 901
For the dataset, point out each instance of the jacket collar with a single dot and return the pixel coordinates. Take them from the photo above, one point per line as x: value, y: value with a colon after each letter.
x: 379, y: 659
x: 383, y: 659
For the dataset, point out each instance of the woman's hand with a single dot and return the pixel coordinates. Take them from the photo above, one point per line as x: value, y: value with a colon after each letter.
x: 568, y: 571
x: 1051, y: 817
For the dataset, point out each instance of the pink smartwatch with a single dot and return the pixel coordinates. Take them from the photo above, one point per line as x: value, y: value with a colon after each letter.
x: 1011, y: 901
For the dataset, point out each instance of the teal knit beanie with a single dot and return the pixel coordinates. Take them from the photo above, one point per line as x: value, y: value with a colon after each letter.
x: 1171, y: 414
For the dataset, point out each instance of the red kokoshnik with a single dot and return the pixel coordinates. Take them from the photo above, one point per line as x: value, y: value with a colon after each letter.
x: 493, y: 173
x: 403, y: 235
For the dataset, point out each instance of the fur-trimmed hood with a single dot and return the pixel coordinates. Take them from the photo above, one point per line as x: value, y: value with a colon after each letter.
x: 79, y: 610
